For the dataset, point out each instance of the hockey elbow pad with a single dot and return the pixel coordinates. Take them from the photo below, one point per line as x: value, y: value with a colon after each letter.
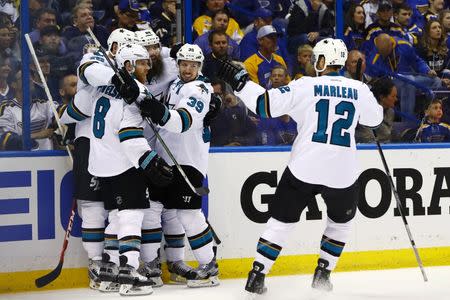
x: 156, y: 169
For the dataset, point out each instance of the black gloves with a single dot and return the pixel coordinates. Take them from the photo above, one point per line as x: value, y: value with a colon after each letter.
x: 156, y: 169
x: 174, y: 50
x: 235, y: 75
x: 155, y: 110
x: 129, y: 90
x: 214, y: 108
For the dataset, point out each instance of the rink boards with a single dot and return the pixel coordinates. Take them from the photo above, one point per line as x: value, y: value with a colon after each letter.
x: 35, y: 200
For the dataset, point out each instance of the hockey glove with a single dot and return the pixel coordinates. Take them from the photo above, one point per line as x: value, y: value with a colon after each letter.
x: 129, y: 90
x: 156, y: 169
x: 174, y: 50
x: 155, y: 110
x: 235, y: 75
x: 214, y: 109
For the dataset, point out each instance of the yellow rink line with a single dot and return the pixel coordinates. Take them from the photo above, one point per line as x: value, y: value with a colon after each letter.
x: 238, y: 268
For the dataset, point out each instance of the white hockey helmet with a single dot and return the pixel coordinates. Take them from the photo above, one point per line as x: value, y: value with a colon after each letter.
x: 333, y: 50
x: 190, y: 52
x: 147, y: 37
x: 120, y: 36
x: 131, y: 53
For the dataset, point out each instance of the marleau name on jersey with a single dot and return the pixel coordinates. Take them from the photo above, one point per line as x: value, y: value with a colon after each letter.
x: 335, y: 91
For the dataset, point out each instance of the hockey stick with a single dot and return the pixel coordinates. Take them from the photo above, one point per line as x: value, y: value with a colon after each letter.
x: 47, y: 91
x: 48, y: 278
x: 201, y: 191
x: 400, y: 208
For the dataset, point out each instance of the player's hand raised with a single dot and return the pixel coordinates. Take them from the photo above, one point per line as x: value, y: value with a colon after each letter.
x: 235, y: 75
x: 128, y: 90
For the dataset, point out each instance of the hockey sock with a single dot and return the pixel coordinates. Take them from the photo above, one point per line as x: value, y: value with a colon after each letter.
x: 93, y: 217
x: 333, y: 241
x: 111, y: 241
x: 173, y: 235
x: 151, y: 232
x: 198, y: 233
x: 130, y: 224
x: 271, y: 242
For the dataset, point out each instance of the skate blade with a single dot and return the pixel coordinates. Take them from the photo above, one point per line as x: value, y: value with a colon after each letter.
x: 211, y: 281
x: 94, y: 285
x: 176, y: 279
x: 109, y: 287
x: 158, y: 282
x: 130, y: 290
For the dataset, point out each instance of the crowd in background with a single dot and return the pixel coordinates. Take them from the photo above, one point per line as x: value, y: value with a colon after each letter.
x: 401, y: 45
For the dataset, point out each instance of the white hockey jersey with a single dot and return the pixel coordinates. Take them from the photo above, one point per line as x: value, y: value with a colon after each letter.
x: 40, y: 118
x: 327, y: 110
x: 183, y: 133
x: 83, y: 97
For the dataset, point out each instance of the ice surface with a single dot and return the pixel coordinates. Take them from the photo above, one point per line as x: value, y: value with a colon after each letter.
x: 400, y: 284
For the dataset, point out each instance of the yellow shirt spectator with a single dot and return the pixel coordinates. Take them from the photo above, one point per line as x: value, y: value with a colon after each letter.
x: 203, y: 24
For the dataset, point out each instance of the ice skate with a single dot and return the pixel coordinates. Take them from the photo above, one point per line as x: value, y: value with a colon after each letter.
x: 205, y: 275
x: 321, y: 279
x: 94, y: 272
x: 255, y: 281
x: 131, y: 282
x: 152, y: 270
x: 178, y: 271
x: 108, y: 275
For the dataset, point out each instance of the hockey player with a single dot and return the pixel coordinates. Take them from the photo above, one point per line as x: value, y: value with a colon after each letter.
x: 163, y: 72
x: 323, y: 158
x: 181, y: 127
x: 86, y: 188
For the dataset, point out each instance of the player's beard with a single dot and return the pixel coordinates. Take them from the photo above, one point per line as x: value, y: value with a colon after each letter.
x: 156, y: 70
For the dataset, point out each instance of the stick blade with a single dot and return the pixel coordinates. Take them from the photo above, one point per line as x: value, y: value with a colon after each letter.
x: 202, y: 191
x: 48, y: 278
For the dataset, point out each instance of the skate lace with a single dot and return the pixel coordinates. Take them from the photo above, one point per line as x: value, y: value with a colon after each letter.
x: 179, y: 267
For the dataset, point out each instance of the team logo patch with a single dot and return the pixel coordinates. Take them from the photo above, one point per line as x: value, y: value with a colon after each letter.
x: 119, y: 200
x: 203, y: 88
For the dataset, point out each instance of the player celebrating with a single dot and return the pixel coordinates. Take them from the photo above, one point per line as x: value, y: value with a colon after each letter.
x: 323, y: 158
x: 182, y: 129
x: 90, y: 205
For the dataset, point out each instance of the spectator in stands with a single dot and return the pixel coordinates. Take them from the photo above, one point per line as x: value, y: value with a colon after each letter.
x: 203, y: 23
x: 127, y: 16
x: 233, y: 126
x: 260, y: 64
x: 435, y: 7
x: 249, y: 43
x: 242, y: 9
x: 219, y: 23
x: 382, y: 25
x: 393, y: 55
x: 279, y: 76
x: 164, y: 22
x: 11, y: 8
x: 6, y: 41
x: 433, y: 49
x: 354, y: 32
x: 351, y: 66
x: 444, y: 19
x: 402, y: 17
x: 6, y: 92
x: 82, y: 20
x: 304, y: 66
x: 40, y: 114
x: 385, y: 92
x: 218, y: 41
x: 370, y: 9
x: 309, y: 22
x: 67, y: 88
x: 433, y: 130
x: 44, y: 17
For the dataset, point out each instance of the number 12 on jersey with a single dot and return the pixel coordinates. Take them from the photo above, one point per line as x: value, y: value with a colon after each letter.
x: 337, y: 137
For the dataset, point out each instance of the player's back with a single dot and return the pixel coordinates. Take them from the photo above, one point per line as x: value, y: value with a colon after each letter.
x: 327, y: 111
